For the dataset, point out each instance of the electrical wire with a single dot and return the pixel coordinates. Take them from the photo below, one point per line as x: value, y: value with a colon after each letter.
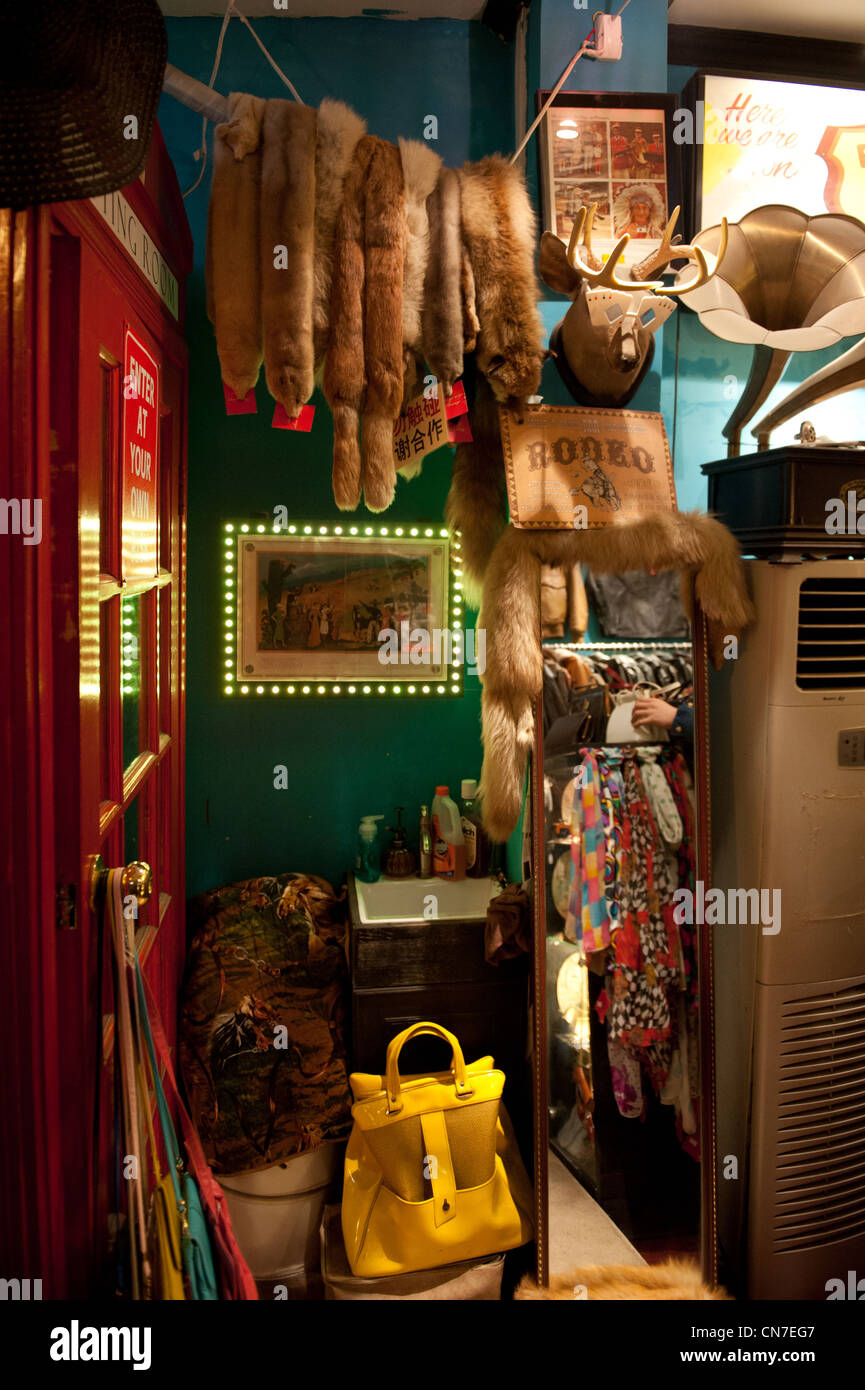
x: 584, y: 48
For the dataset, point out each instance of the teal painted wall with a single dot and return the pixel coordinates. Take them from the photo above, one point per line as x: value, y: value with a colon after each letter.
x: 361, y: 756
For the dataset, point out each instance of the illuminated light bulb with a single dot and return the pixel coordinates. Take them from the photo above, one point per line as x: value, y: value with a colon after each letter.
x: 306, y: 690
x: 399, y: 531
x: 381, y: 690
x: 366, y: 690
x: 443, y: 531
x: 411, y: 689
x: 260, y: 529
x: 292, y: 530
x: 244, y: 528
x: 229, y: 690
x: 259, y: 690
x: 397, y: 690
x: 367, y: 530
x: 426, y: 690
x: 383, y: 531
x: 244, y: 690
x: 322, y: 530
x: 291, y: 690
x: 320, y: 690
x: 335, y: 690
x: 440, y: 690
x: 428, y: 531
x: 413, y: 531
x: 228, y: 526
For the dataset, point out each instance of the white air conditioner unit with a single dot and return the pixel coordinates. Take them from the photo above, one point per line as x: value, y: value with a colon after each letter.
x: 788, y: 813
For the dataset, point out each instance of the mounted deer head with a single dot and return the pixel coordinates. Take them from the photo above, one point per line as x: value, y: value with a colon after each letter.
x: 605, y: 343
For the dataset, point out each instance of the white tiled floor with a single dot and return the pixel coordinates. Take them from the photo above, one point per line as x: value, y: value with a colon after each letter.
x: 581, y: 1233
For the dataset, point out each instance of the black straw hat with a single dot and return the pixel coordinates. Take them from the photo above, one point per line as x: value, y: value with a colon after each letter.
x: 79, y: 87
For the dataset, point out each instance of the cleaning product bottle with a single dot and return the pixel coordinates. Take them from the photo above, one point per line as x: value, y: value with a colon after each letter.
x: 425, y: 845
x: 477, y: 844
x: 449, y: 850
x: 367, y: 866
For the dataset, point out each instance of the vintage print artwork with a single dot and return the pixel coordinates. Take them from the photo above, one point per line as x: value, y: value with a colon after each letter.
x: 318, y: 607
x: 612, y: 156
x: 569, y: 468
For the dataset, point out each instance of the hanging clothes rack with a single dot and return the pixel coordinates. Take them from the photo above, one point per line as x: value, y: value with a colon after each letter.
x: 653, y: 645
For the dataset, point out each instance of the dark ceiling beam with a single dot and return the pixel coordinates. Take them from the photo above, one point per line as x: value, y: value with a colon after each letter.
x: 766, y: 55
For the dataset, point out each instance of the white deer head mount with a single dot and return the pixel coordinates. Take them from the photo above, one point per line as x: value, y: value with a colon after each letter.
x: 605, y: 342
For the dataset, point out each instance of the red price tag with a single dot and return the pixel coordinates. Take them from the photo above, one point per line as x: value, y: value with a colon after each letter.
x: 235, y: 406
x: 303, y: 421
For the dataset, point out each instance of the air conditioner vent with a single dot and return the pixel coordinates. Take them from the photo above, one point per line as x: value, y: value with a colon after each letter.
x: 819, y: 1193
x: 830, y: 650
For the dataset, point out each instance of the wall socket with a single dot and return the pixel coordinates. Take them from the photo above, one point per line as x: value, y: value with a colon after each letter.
x: 851, y: 748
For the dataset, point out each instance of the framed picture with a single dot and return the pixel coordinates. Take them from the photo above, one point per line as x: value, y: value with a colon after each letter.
x: 753, y: 142
x: 323, y: 609
x: 615, y: 150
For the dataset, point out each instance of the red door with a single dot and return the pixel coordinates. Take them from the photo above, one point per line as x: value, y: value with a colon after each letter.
x: 114, y: 666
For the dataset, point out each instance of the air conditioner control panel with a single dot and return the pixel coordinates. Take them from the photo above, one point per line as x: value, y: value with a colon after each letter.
x: 851, y: 748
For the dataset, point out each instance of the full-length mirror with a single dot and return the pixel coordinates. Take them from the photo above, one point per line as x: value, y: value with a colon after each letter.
x: 620, y: 993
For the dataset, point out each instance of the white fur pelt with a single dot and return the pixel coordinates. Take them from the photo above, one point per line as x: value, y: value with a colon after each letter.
x: 698, y: 545
x: 420, y: 171
x: 339, y: 129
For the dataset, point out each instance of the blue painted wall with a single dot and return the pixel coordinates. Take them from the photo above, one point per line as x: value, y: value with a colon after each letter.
x: 358, y: 757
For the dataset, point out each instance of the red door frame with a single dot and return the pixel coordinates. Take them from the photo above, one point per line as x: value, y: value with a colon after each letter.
x: 48, y: 711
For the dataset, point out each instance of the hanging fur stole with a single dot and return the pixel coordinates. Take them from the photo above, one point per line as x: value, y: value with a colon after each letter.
x: 500, y: 234
x: 442, y: 317
x: 339, y: 129
x: 232, y: 268
x: 692, y: 542
x: 288, y: 221
x: 420, y: 169
x: 477, y: 501
x: 364, y: 365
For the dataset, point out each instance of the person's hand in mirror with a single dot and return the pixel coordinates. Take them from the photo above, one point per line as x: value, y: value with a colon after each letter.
x: 679, y: 719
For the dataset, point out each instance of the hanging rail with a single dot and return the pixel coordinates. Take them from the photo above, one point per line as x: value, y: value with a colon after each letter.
x: 194, y: 94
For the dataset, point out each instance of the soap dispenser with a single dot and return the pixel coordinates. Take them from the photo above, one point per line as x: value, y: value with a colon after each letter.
x: 399, y: 860
x: 368, y: 863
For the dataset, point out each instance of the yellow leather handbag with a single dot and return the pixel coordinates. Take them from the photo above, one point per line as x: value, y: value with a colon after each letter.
x: 432, y: 1170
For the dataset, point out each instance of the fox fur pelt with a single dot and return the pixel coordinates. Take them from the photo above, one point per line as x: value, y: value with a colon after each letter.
x: 691, y: 542
x: 477, y: 503
x: 232, y: 259
x: 442, y: 317
x: 364, y: 365
x: 420, y: 169
x: 500, y: 233
x: 339, y: 129
x: 288, y: 220
x: 671, y: 1281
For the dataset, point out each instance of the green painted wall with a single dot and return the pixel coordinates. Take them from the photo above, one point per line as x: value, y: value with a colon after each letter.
x: 360, y: 756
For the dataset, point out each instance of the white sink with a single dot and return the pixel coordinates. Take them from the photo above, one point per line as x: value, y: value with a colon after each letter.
x: 405, y: 900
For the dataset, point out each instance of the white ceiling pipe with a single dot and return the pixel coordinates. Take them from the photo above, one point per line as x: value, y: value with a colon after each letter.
x: 194, y: 94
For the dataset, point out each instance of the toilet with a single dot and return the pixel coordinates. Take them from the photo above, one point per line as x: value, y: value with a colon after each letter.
x: 276, y: 1213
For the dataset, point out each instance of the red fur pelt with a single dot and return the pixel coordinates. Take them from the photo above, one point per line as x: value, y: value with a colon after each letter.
x: 339, y: 129
x: 288, y: 220
x: 477, y: 504
x: 672, y: 1281
x: 364, y: 365
x: 691, y: 542
x: 232, y: 269
x: 500, y: 235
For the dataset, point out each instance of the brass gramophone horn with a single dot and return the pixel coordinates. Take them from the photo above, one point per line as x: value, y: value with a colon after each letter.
x: 788, y: 283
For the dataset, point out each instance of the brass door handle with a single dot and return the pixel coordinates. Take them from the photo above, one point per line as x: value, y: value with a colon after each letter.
x: 136, y: 879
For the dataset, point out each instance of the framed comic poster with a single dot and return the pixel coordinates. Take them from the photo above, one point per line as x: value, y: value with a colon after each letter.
x: 572, y: 469
x: 323, y: 609
x: 754, y: 142
x: 615, y: 150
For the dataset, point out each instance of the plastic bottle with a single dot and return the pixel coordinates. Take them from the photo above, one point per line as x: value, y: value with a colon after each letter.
x: 368, y: 862
x: 449, y: 851
x: 477, y: 844
x: 425, y: 844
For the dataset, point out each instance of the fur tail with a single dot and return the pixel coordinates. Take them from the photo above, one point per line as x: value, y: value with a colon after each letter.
x: 476, y: 503
x: 379, y: 469
x: 346, y: 457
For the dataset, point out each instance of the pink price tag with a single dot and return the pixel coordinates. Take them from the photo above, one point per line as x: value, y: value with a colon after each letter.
x: 303, y: 421
x: 235, y: 406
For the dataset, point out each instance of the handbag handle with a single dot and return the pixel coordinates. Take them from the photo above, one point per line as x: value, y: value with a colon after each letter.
x: 395, y: 1046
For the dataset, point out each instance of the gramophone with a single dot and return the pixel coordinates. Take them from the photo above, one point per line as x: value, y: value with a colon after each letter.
x: 788, y: 283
